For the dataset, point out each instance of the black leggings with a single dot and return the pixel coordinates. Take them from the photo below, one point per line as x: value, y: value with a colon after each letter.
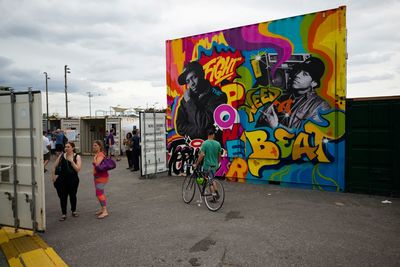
x: 129, y: 155
x: 135, y: 159
x: 65, y: 189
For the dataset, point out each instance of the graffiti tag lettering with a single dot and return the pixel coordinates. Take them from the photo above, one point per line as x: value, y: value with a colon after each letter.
x: 258, y: 97
x: 221, y: 68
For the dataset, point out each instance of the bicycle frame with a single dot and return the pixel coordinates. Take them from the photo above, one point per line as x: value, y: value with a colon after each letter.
x: 202, y: 188
x: 212, y: 191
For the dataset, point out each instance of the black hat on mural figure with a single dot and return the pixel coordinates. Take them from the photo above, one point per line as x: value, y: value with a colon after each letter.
x: 314, y: 66
x: 191, y: 66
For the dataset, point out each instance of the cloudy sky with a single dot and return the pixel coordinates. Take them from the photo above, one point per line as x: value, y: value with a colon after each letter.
x: 116, y: 49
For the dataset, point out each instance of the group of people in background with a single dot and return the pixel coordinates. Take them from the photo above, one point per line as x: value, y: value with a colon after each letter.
x: 110, y: 146
x: 53, y: 144
x: 132, y: 150
x: 67, y: 165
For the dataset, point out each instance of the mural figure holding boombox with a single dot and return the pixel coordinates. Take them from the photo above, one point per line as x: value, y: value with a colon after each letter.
x: 301, y: 101
x: 195, y: 113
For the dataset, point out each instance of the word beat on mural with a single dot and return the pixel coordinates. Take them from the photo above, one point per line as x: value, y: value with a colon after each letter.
x: 273, y: 91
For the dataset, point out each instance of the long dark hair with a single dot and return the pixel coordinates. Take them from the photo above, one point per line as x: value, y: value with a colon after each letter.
x: 72, y: 144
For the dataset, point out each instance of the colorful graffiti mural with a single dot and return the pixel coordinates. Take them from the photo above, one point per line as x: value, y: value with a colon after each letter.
x: 274, y: 92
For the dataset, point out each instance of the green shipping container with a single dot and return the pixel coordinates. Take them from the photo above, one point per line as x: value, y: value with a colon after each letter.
x: 373, y: 146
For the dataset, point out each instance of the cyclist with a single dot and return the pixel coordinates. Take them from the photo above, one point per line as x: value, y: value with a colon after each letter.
x: 210, y: 151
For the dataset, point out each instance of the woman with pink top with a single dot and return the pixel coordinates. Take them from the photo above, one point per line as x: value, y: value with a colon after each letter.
x: 100, y: 179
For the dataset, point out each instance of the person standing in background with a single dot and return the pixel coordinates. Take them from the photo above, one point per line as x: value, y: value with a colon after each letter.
x: 53, y: 146
x: 112, y: 145
x: 111, y: 142
x: 128, y: 149
x: 135, y: 150
x: 46, y: 150
x: 60, y: 137
x: 105, y: 142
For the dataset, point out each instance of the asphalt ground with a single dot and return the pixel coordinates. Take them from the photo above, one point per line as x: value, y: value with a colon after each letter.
x: 258, y: 225
x: 3, y: 260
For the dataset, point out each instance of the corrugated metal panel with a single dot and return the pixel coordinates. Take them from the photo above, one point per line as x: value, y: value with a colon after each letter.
x: 153, y: 143
x: 22, y: 198
x: 373, y: 142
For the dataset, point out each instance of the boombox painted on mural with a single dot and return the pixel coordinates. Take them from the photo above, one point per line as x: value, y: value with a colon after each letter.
x: 274, y: 92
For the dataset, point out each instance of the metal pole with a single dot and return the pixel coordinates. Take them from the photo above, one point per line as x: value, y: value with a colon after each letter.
x: 144, y: 142
x: 90, y: 103
x: 34, y: 184
x: 90, y: 94
x: 155, y: 141
x: 14, y: 199
x: 47, y: 102
x: 66, y: 70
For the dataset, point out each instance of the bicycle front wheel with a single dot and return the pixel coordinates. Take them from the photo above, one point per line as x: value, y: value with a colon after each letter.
x: 188, y: 189
x: 214, y: 201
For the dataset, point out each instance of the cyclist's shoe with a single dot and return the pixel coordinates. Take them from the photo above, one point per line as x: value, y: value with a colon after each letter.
x: 214, y: 200
x: 216, y: 195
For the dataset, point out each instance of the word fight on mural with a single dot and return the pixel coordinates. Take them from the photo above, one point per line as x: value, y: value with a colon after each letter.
x: 273, y: 91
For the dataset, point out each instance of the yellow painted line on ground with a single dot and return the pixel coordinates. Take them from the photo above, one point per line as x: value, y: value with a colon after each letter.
x: 54, y: 257
x: 36, y: 257
x: 11, y: 254
x: 24, y: 248
x: 10, y: 231
x: 3, y: 236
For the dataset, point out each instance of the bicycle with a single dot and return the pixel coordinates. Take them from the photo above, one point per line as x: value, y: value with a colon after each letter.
x: 213, y: 201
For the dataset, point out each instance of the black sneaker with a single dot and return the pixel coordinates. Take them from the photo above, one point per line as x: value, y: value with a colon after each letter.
x: 214, y: 200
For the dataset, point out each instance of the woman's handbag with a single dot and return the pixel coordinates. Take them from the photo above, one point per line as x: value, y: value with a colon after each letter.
x: 58, y: 169
x: 106, y: 164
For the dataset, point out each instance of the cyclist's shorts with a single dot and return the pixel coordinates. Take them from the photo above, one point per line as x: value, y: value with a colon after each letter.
x: 211, y: 174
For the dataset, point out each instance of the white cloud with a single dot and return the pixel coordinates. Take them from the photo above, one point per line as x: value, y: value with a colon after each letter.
x: 368, y: 79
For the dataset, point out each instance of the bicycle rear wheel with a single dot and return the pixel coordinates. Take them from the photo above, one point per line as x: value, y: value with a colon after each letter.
x: 188, y: 189
x: 214, y: 201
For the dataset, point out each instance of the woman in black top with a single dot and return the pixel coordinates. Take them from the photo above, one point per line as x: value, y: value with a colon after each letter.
x: 66, y: 180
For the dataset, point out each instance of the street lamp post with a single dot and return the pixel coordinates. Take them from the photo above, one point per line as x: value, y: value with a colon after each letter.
x: 153, y: 106
x: 90, y: 95
x: 66, y: 70
x: 47, y: 101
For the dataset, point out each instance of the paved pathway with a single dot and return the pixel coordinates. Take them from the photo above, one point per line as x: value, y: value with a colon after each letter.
x: 259, y: 225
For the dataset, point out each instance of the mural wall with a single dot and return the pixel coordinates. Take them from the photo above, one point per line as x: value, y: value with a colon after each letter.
x: 274, y: 92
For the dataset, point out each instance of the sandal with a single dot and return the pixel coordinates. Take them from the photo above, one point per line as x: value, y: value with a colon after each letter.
x: 63, y: 218
x: 102, y: 216
x: 98, y: 212
x: 75, y: 214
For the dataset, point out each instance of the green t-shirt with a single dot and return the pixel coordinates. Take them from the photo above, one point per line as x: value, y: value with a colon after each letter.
x: 212, y: 150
